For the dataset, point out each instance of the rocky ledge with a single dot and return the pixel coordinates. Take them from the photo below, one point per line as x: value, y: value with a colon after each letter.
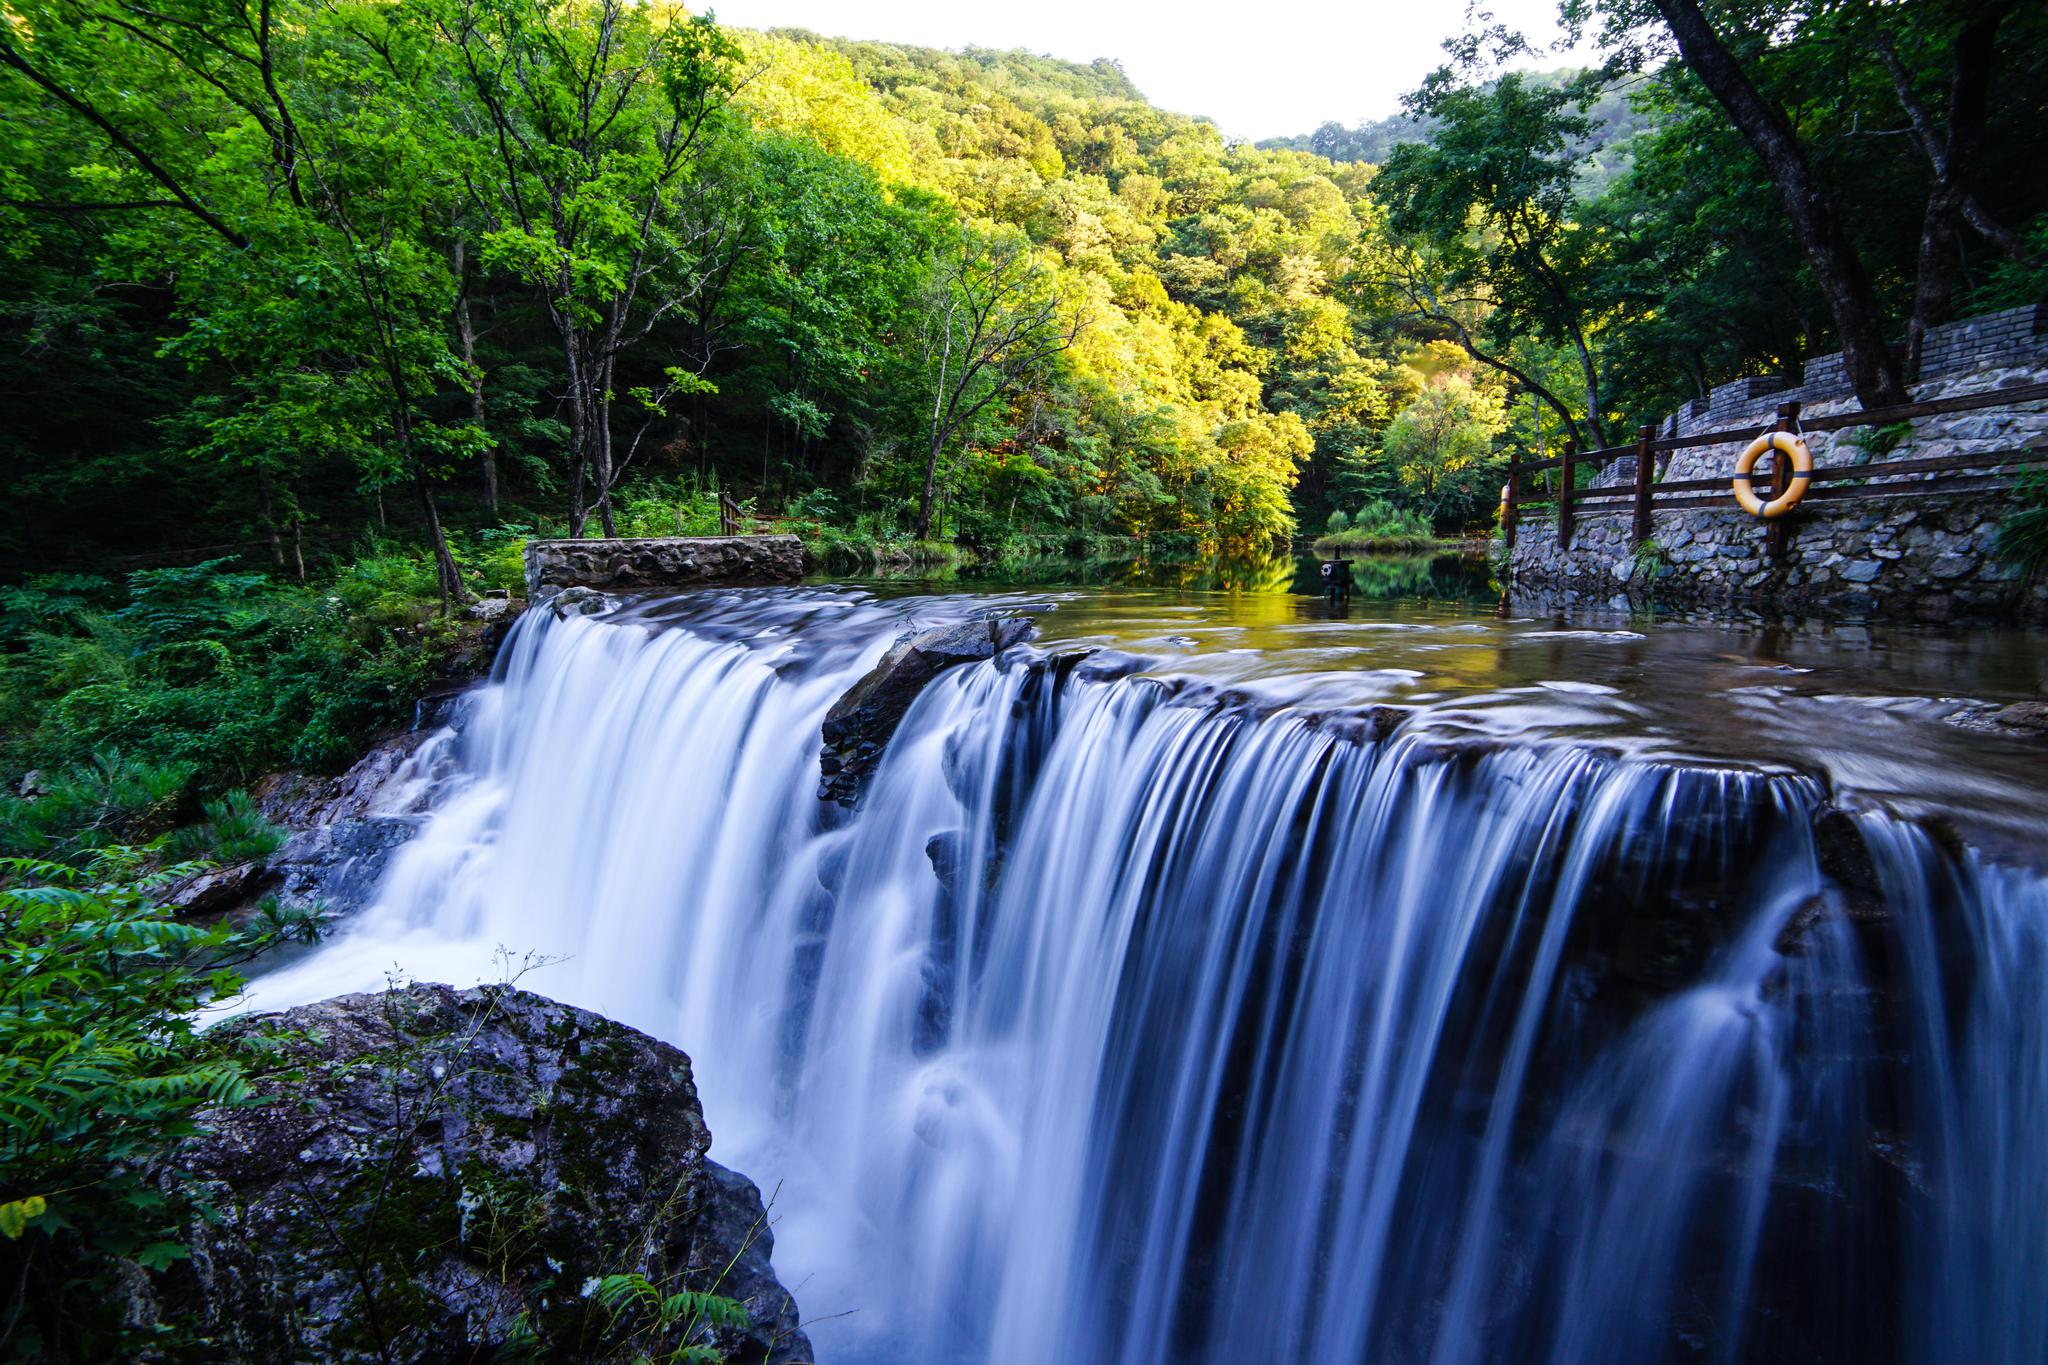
x: 860, y: 723
x: 632, y: 565
x: 439, y: 1175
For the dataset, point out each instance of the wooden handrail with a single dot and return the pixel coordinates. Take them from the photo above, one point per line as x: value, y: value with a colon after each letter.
x: 1857, y: 417
x: 2036, y: 453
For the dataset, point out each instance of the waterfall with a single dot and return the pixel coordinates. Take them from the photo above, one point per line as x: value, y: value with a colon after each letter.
x: 1133, y: 1021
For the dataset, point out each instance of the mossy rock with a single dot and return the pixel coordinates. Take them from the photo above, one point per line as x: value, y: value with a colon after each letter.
x: 435, y: 1174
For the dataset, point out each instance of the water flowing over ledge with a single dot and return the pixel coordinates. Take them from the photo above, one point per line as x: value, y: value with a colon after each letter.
x: 1125, y: 1020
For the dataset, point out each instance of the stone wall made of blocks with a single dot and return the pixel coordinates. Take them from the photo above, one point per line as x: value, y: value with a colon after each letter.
x: 1924, y: 556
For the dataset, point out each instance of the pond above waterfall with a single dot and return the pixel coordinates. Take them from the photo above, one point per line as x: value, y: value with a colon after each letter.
x: 1231, y: 975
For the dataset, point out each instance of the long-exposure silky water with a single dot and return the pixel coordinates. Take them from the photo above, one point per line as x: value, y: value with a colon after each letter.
x: 1213, y: 981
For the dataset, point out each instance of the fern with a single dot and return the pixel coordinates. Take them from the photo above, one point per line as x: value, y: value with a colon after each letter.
x: 101, y: 1068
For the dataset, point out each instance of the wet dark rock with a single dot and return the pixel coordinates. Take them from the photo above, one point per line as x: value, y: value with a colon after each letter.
x: 342, y: 830
x: 442, y: 1175
x: 861, y: 723
x: 579, y: 601
x: 1363, y: 724
x: 2029, y: 717
x: 1843, y: 855
x: 1104, y: 665
x: 220, y: 890
x: 946, y: 850
x: 2021, y: 720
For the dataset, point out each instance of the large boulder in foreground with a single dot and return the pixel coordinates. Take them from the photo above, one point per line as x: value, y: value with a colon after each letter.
x: 861, y: 722
x: 447, y: 1175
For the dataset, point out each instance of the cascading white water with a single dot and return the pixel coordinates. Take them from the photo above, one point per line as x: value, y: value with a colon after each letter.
x: 1125, y: 1024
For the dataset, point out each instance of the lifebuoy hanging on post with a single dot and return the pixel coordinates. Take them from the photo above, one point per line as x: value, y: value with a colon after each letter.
x: 1788, y: 444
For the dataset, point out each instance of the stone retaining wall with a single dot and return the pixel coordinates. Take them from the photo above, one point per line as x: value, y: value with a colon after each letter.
x: 643, y: 564
x: 1927, y: 556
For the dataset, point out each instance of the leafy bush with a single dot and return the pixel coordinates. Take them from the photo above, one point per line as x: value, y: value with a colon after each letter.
x: 101, y: 1068
x: 675, y: 507
x: 236, y: 831
x: 1338, y: 522
x: 1380, y: 528
x: 494, y: 557
x: 107, y: 800
x: 2023, y: 533
x: 671, y: 1329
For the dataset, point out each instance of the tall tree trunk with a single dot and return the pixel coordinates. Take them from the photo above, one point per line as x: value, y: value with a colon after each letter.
x: 602, y: 473
x: 1591, y: 376
x: 445, y: 570
x: 466, y: 334
x: 269, y: 517
x: 1809, y: 204
x: 1953, y: 157
x: 923, y: 529
x: 579, y: 428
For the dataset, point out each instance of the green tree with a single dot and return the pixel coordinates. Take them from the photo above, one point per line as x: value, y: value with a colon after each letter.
x: 992, y: 320
x: 1442, y: 445
x: 1487, y: 207
x: 595, y: 114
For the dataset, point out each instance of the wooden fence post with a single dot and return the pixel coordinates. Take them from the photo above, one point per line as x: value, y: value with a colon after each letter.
x: 1778, y: 535
x: 1509, y: 514
x: 1643, y: 471
x: 1564, y: 496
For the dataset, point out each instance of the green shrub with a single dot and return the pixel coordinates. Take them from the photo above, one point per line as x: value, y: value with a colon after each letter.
x: 1338, y: 522
x: 108, y: 800
x: 674, y: 507
x: 102, y: 1067
x: 673, y: 1328
x: 1381, y: 528
x: 495, y: 557
x: 235, y: 831
x: 2023, y: 532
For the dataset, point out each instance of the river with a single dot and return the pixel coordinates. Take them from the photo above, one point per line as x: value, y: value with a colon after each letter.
x: 1228, y: 975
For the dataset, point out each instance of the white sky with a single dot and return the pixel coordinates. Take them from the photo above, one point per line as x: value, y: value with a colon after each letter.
x: 1260, y: 69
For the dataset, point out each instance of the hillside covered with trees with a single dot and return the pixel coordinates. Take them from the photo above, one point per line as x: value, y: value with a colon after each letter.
x: 454, y: 270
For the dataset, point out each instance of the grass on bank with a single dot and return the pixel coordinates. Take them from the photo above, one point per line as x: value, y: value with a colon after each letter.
x: 1379, y: 528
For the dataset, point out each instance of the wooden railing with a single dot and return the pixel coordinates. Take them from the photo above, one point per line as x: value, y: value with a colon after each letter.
x: 729, y: 514
x: 1983, y: 471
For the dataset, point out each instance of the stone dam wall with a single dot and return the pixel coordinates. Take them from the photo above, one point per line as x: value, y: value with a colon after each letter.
x: 650, y: 563
x: 1928, y: 556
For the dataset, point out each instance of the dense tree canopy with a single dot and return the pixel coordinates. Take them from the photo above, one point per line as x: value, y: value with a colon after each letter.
x: 280, y: 270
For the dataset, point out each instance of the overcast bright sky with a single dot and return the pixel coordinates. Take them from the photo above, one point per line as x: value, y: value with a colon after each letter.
x: 1260, y: 69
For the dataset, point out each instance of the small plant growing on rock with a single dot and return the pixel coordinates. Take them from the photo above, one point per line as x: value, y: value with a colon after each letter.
x: 1873, y: 443
x: 2023, y: 533
x: 1647, y: 560
x: 670, y: 1329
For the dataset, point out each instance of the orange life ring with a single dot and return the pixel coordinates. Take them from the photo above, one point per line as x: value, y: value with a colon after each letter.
x: 1785, y: 443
